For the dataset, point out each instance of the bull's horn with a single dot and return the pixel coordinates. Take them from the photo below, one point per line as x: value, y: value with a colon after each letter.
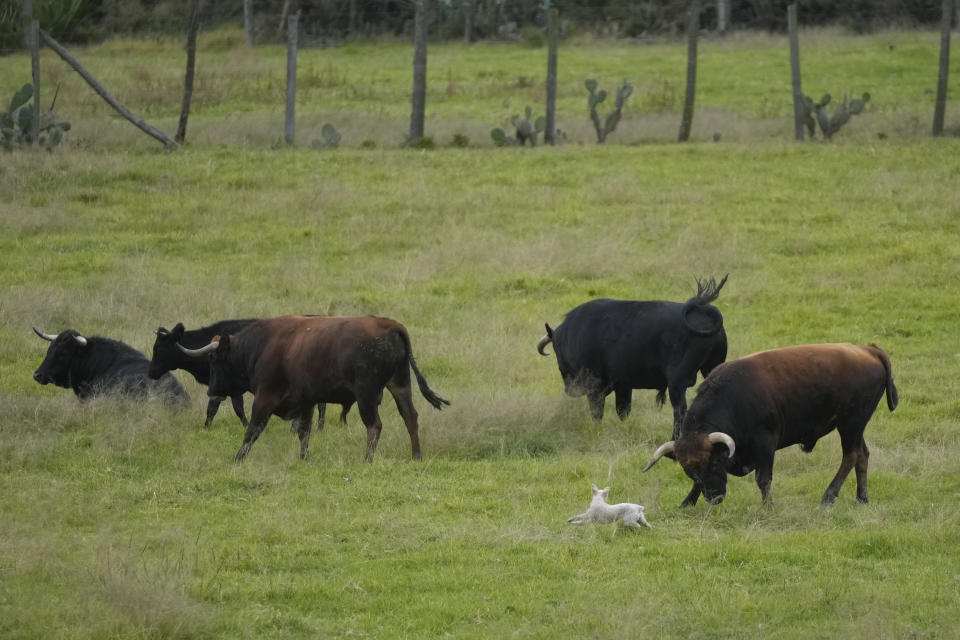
x: 544, y: 341
x: 718, y: 436
x: 196, y: 353
x: 49, y: 337
x: 664, y: 449
x: 80, y: 340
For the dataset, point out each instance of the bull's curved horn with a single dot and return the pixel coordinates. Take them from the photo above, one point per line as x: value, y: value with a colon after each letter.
x: 49, y: 337
x: 664, y: 449
x: 718, y: 436
x: 544, y: 341
x: 80, y: 340
x: 202, y: 351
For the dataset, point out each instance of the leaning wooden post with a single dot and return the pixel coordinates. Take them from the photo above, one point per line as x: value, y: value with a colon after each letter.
x: 940, y: 106
x: 288, y: 123
x: 549, y: 135
x: 795, y: 71
x: 103, y: 93
x: 192, y: 28
x: 32, y: 40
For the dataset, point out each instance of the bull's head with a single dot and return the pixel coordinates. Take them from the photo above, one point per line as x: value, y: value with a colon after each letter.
x: 63, y: 350
x: 217, y: 352
x: 703, y: 457
x: 165, y: 351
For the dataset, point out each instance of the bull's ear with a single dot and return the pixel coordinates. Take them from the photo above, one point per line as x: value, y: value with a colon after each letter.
x: 178, y: 330
x: 224, y: 343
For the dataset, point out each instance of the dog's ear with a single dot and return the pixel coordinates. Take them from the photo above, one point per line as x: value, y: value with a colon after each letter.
x: 594, y: 489
x: 605, y: 492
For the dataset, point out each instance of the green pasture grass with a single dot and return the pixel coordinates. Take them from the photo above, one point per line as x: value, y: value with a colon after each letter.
x: 129, y: 520
x: 743, y: 87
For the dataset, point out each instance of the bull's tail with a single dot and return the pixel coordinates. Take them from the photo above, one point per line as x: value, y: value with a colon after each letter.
x: 545, y: 340
x: 893, y: 398
x: 707, y: 292
x: 425, y: 389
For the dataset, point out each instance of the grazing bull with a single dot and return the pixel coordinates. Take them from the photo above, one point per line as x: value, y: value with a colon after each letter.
x: 291, y: 363
x: 96, y: 365
x: 749, y: 408
x: 621, y: 345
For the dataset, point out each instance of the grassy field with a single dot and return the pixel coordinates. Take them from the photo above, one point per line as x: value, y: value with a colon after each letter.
x: 130, y: 520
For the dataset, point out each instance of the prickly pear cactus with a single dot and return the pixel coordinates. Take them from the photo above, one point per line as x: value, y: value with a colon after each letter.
x: 815, y: 112
x: 595, y: 97
x: 16, y: 124
x: 330, y: 138
x: 526, y: 131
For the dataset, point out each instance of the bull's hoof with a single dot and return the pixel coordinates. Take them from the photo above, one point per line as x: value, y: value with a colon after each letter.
x: 241, y: 454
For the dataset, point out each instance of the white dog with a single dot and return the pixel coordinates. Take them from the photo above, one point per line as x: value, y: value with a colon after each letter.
x: 600, y: 511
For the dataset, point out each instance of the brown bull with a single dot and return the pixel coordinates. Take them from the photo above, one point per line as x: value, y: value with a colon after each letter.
x: 747, y: 409
x: 292, y: 363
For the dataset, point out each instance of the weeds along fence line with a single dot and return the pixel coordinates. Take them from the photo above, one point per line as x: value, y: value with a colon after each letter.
x: 427, y: 13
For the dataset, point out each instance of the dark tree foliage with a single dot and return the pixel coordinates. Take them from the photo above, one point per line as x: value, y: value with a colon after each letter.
x: 329, y: 21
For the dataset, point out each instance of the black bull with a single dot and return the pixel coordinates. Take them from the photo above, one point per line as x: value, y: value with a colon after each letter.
x: 291, y: 363
x: 749, y: 408
x: 95, y: 365
x: 617, y: 346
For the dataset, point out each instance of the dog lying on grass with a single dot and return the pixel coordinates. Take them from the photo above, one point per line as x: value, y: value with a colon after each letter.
x: 600, y: 511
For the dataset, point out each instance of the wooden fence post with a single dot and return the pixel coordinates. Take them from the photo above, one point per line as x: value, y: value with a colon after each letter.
x: 795, y: 70
x: 288, y: 123
x: 196, y: 6
x: 32, y: 40
x: 693, y: 29
x: 248, y: 21
x: 419, y: 98
x: 940, y: 106
x: 550, y: 133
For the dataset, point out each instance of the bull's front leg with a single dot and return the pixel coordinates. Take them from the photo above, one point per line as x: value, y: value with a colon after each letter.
x: 212, y: 406
x: 260, y: 415
x: 692, y: 497
x: 237, y: 401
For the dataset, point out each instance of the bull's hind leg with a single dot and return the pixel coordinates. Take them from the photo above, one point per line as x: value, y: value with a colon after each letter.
x: 260, y: 415
x: 623, y: 397
x: 403, y: 396
x: 861, y: 467
x: 596, y: 400
x: 367, y: 407
x: 678, y: 400
x: 304, y: 425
